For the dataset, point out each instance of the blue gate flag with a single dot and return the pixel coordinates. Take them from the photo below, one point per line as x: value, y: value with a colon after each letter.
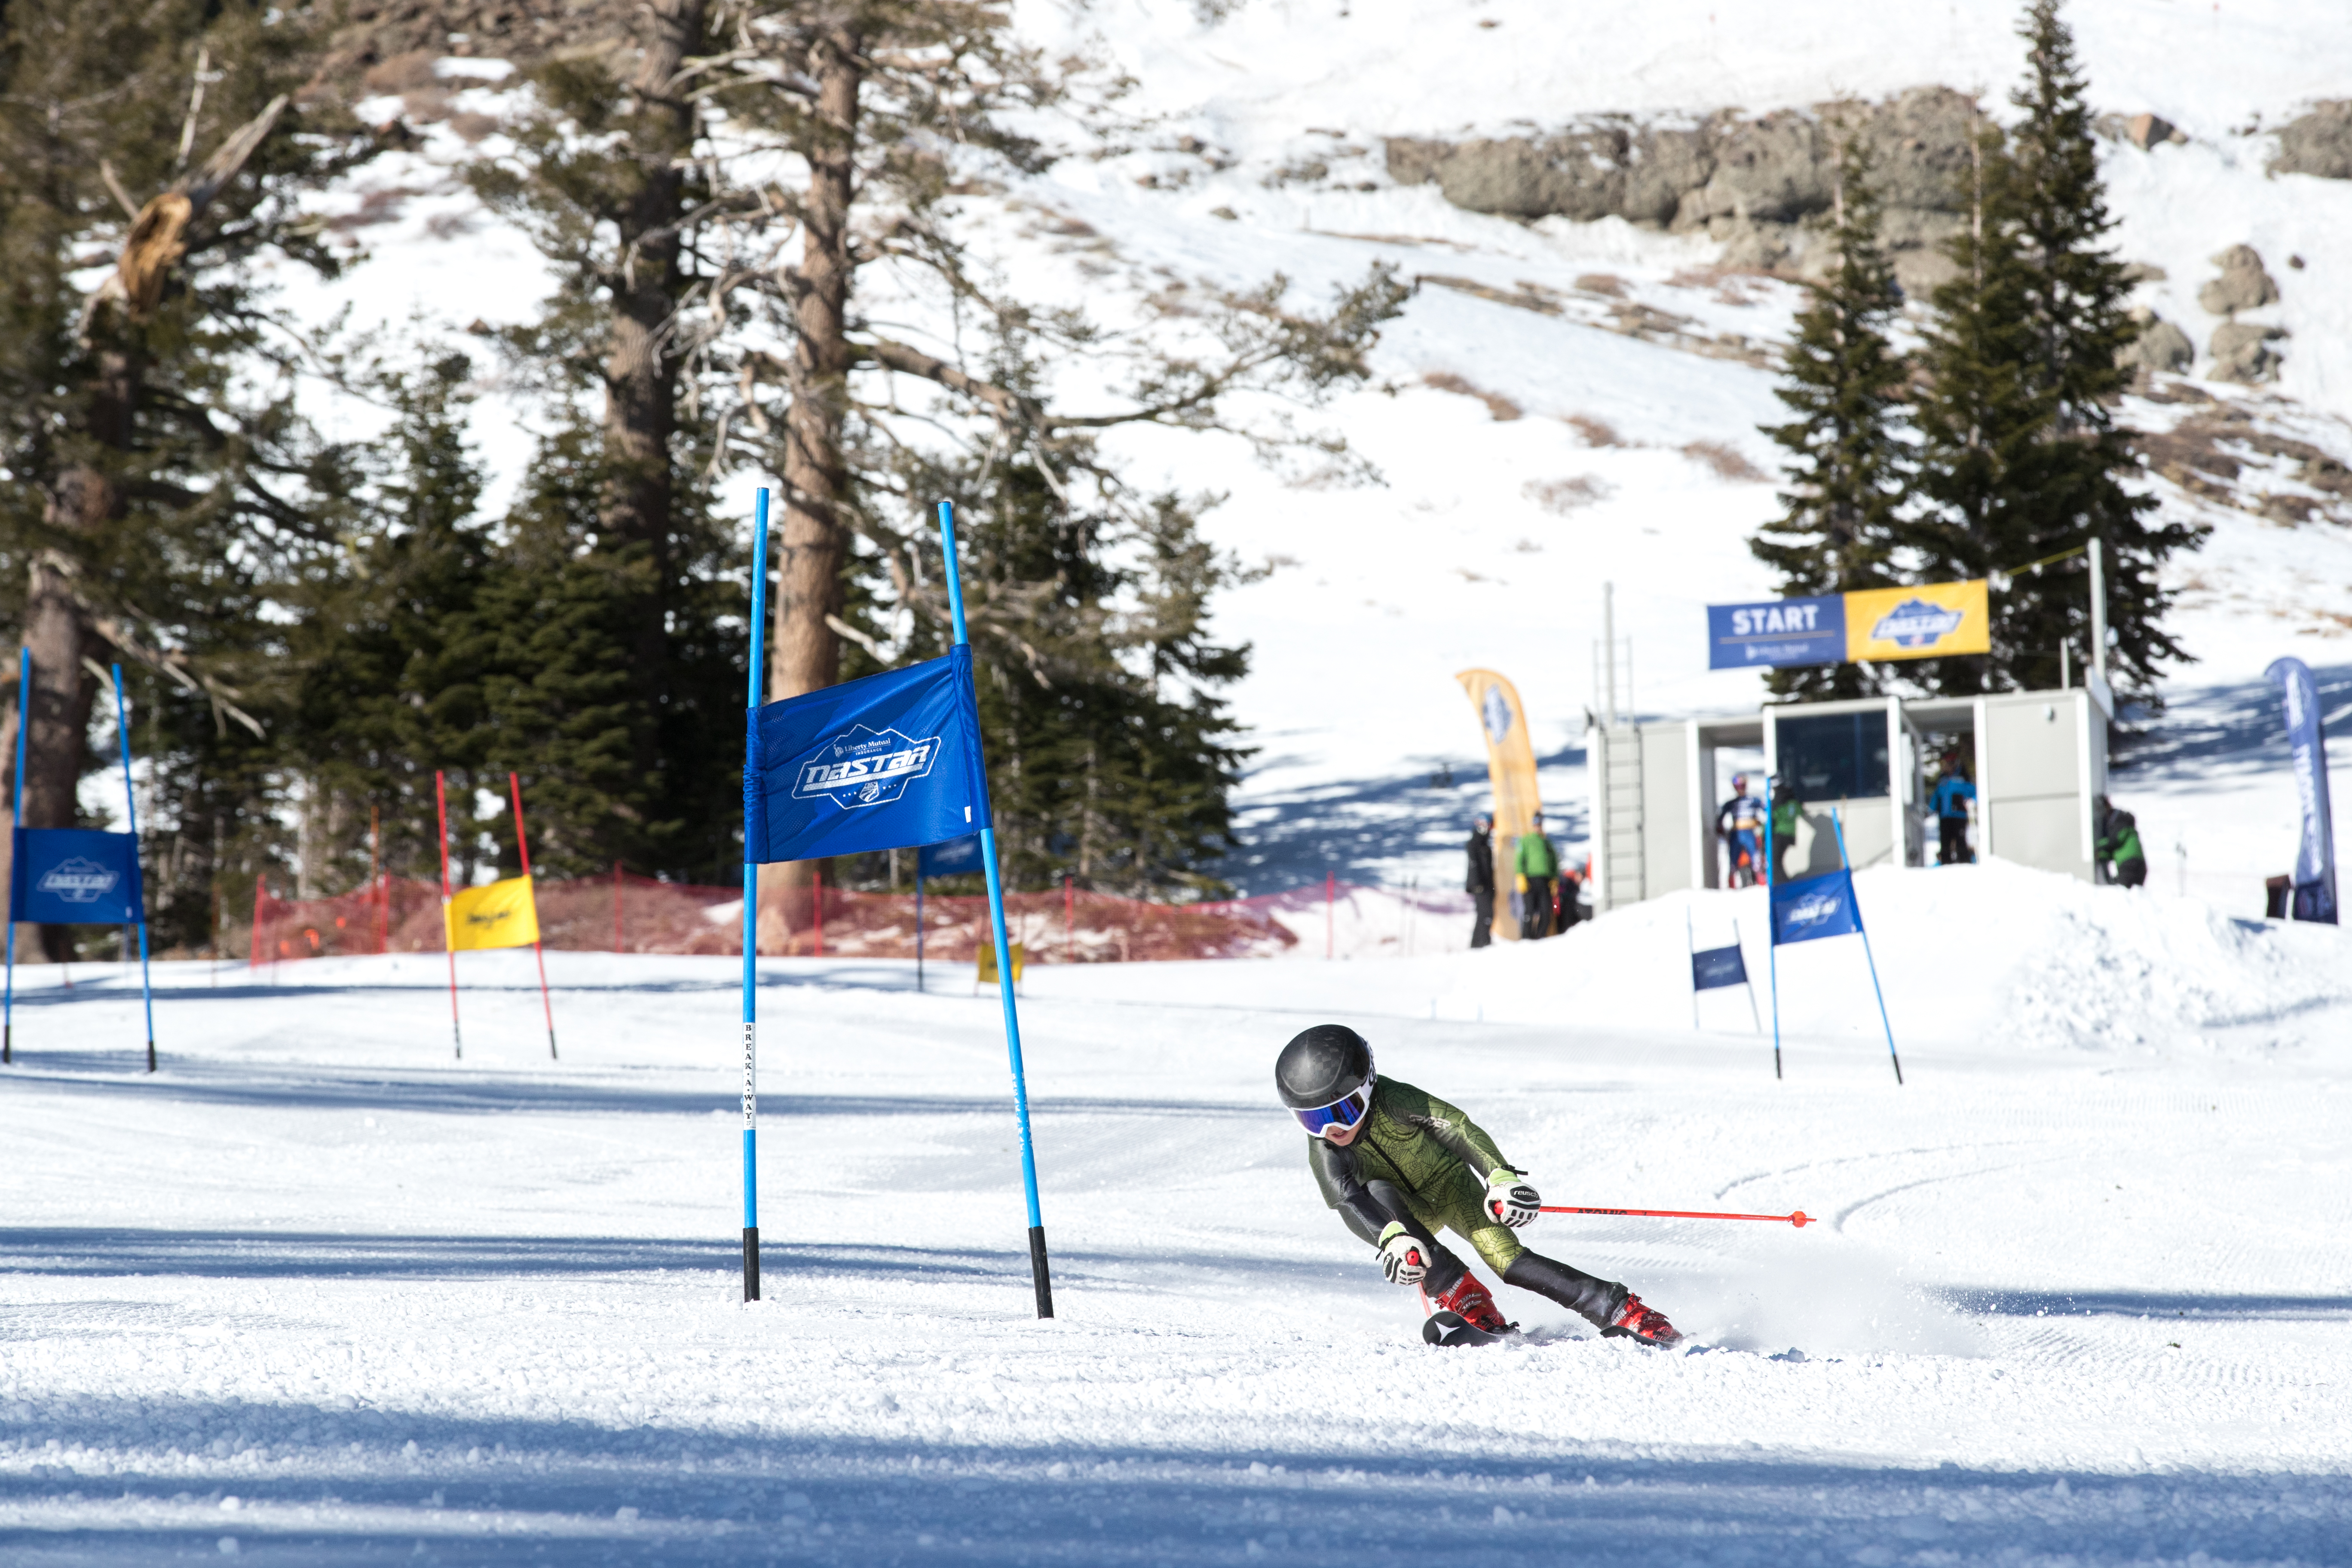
x: 1776, y: 633
x: 1717, y: 966
x: 2315, y: 859
x: 76, y: 875
x: 879, y: 763
x: 954, y: 857
x: 1814, y: 907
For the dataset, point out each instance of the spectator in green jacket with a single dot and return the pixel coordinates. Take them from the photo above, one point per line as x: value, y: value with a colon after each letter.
x: 2119, y: 849
x: 1786, y: 807
x: 1537, y: 866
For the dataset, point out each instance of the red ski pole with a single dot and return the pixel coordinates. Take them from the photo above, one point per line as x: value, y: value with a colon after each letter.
x: 1799, y: 1220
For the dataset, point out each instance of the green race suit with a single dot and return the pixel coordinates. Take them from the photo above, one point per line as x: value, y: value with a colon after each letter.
x: 1434, y: 1157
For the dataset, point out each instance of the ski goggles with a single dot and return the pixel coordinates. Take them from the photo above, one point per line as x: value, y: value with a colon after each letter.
x: 1345, y: 1112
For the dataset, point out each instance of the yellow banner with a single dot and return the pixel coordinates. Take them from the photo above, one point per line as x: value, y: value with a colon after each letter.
x: 1510, y: 773
x: 503, y: 914
x: 1932, y: 620
x: 987, y: 975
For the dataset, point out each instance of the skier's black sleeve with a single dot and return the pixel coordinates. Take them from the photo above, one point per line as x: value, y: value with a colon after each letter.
x: 1343, y: 1189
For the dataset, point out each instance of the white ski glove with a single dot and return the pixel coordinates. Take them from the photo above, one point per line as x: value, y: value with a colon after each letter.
x: 1509, y: 1199
x: 1402, y: 1257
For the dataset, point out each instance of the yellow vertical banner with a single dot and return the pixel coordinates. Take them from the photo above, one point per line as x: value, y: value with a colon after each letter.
x: 1510, y: 773
x: 503, y: 914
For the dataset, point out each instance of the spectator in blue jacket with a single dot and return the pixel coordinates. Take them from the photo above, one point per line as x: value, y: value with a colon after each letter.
x: 1953, y: 792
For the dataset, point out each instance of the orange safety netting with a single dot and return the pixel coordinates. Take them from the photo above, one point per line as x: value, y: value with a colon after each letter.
x: 636, y: 914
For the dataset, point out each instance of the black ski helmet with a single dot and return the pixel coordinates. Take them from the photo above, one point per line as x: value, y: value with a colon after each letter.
x: 1321, y: 1065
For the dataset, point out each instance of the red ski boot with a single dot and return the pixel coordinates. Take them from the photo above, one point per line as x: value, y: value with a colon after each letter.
x: 1644, y: 1324
x: 1470, y: 1301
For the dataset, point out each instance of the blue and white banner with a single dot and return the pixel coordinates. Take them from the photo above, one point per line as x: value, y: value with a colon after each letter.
x: 1776, y: 632
x: 1814, y: 907
x: 2315, y: 859
x: 879, y: 763
x: 1717, y: 967
x: 76, y: 875
x: 953, y: 859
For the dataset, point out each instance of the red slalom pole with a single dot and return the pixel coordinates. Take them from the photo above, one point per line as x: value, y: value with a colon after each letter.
x: 1799, y: 1220
x: 522, y: 846
x: 448, y: 939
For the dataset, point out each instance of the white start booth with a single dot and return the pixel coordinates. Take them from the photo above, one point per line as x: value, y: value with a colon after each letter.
x: 2039, y: 759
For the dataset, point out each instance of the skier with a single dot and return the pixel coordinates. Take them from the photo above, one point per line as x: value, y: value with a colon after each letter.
x: 1537, y: 864
x: 1953, y: 792
x: 1400, y: 1163
x: 1479, y: 882
x: 1740, y: 825
x: 2118, y: 849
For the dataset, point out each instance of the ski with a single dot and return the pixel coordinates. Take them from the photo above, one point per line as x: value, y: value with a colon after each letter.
x: 1450, y: 1329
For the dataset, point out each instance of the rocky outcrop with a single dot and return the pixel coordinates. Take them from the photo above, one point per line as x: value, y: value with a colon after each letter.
x: 1747, y: 182
x: 2243, y: 353
x: 2319, y: 142
x: 2245, y: 283
x: 2160, y: 346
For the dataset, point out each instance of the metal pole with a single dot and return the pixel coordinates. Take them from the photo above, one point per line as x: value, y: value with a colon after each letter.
x: 130, y: 811
x: 449, y: 937
x: 1771, y: 928
x: 1608, y: 645
x: 2098, y: 660
x: 1864, y: 931
x: 523, y: 848
x: 919, y: 920
x: 751, y: 853
x: 1040, y: 1272
x: 16, y: 824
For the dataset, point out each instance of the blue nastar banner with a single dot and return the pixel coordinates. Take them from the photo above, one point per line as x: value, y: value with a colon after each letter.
x: 879, y: 763
x: 1814, y: 907
x: 76, y: 875
x: 1717, y: 967
x: 1776, y: 633
x: 951, y: 858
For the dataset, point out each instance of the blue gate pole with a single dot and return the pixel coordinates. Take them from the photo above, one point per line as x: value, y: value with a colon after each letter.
x: 130, y: 815
x: 16, y: 825
x: 752, y: 915
x: 1039, y: 1273
x: 1855, y: 900
x: 1771, y: 928
x: 919, y: 920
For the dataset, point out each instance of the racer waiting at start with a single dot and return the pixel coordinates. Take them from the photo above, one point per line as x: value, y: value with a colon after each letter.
x: 1740, y: 825
x: 1400, y: 1165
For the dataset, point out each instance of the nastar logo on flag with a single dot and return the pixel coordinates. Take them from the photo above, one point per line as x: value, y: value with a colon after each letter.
x: 866, y: 767
x: 1813, y: 909
x: 1496, y: 710
x: 79, y: 881
x: 1915, y: 623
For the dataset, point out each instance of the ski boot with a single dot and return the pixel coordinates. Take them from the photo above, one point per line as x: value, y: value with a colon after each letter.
x: 1469, y: 1301
x: 1645, y: 1325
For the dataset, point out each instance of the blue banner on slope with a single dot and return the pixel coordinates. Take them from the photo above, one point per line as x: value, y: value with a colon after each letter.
x: 76, y: 875
x: 879, y: 763
x: 1814, y: 907
x: 1717, y: 967
x: 952, y: 858
x: 1776, y: 632
x: 2315, y: 859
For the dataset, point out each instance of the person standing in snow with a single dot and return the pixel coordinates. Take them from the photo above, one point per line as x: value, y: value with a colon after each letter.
x: 1479, y: 879
x: 1786, y: 808
x: 1953, y: 792
x: 1400, y: 1165
x: 2119, y: 854
x: 1536, y: 865
x: 1740, y: 825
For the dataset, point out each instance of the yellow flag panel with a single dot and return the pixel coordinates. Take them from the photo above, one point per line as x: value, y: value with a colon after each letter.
x: 1928, y: 620
x: 503, y: 914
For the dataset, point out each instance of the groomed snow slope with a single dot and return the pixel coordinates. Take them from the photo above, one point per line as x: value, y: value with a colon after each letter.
x: 318, y: 1294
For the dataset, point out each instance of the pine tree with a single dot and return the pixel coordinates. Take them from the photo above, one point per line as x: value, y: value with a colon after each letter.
x: 2021, y: 451
x: 1848, y: 466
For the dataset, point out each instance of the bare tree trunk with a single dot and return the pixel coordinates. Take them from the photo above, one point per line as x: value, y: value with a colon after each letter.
x: 814, y: 542
x: 640, y: 371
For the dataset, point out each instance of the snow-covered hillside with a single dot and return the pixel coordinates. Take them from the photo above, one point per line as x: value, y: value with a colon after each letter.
x: 318, y: 1294
x: 1567, y: 403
